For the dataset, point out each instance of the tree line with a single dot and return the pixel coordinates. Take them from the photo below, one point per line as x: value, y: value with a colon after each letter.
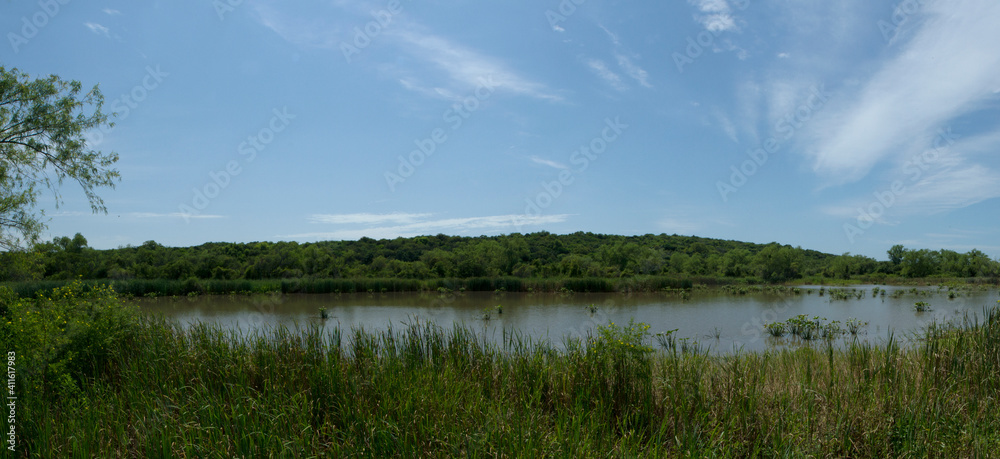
x: 535, y: 255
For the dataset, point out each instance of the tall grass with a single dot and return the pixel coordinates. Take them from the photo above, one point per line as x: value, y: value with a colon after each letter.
x: 423, y: 390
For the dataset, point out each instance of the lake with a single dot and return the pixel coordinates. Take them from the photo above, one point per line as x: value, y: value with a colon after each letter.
x: 721, y: 321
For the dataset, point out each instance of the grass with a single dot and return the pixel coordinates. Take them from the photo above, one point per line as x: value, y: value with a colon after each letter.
x: 149, y: 388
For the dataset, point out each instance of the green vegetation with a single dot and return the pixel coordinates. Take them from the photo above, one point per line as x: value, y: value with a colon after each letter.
x: 43, y: 123
x: 96, y: 378
x: 579, y: 262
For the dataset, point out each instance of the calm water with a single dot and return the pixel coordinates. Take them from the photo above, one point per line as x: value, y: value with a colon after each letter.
x: 720, y: 321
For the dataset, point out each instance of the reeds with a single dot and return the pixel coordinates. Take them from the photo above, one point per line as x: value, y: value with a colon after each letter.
x: 423, y: 390
x: 165, y: 287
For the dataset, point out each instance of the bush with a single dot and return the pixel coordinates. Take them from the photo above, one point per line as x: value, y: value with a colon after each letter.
x: 66, y: 336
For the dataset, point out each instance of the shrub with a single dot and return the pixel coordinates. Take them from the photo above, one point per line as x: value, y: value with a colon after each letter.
x: 67, y: 335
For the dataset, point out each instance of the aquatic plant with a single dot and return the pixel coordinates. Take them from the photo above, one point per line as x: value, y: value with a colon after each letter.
x: 855, y: 325
x: 668, y: 341
x: 776, y: 329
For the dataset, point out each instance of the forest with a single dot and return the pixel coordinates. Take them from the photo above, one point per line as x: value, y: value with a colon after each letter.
x: 526, y: 256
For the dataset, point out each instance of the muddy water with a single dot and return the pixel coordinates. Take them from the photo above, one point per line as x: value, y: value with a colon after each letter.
x: 719, y: 321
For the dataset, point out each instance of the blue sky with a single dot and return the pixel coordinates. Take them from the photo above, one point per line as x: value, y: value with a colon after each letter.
x: 838, y: 126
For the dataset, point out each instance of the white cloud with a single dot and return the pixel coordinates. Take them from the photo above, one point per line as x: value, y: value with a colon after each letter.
x: 948, y: 69
x: 479, y: 225
x: 634, y: 71
x: 932, y: 181
x: 727, y: 125
x: 177, y: 215
x: 98, y: 29
x: 625, y: 63
x: 111, y: 12
x: 716, y: 15
x: 951, y: 189
x: 550, y: 163
x: 601, y: 70
x: 367, y: 219
x: 465, y: 67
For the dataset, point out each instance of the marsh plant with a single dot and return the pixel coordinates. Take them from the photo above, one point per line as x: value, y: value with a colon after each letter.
x: 921, y: 306
x: 776, y: 329
x: 854, y: 325
x: 809, y: 329
x: 98, y: 379
x: 668, y: 341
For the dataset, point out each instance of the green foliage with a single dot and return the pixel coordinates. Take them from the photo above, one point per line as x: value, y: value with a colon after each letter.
x: 579, y: 262
x: 66, y: 336
x: 42, y: 143
x: 427, y: 392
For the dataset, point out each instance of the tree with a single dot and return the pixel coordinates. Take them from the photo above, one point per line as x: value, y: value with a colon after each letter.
x: 776, y: 263
x: 919, y: 263
x: 42, y: 143
x: 896, y: 253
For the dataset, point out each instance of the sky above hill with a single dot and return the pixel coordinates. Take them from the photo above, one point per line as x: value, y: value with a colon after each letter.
x: 845, y: 126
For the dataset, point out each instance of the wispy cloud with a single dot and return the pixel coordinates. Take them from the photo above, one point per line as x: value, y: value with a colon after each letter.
x: 367, y: 219
x: 313, y: 32
x: 98, y: 29
x: 633, y: 70
x: 465, y: 67
x: 624, y: 58
x: 601, y: 70
x: 111, y: 12
x: 550, y: 163
x: 450, y: 68
x: 951, y: 189
x: 726, y: 124
x: 176, y: 215
x: 949, y: 69
x: 716, y: 15
x: 479, y: 225
x: 945, y: 179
